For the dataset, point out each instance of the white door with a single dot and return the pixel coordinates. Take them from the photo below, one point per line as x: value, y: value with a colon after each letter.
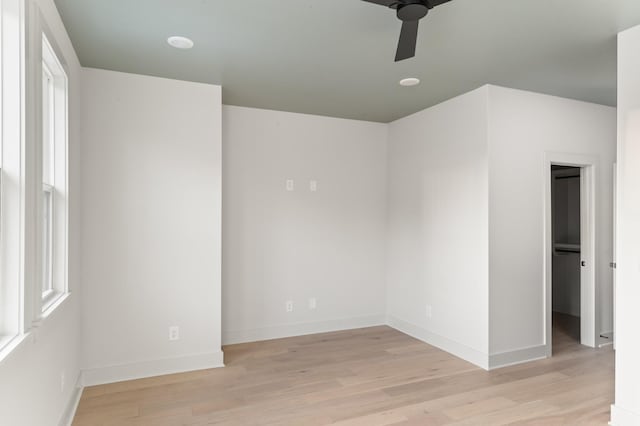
x: 588, y: 317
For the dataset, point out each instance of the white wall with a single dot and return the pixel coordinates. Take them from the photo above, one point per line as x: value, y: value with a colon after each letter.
x: 523, y: 126
x: 280, y: 245
x: 466, y: 196
x: 31, y: 392
x: 438, y: 226
x: 151, y: 199
x: 626, y: 410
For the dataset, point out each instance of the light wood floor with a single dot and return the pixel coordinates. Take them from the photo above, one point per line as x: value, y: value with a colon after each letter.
x: 369, y: 377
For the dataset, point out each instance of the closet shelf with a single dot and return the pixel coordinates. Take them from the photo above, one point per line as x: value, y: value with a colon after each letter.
x: 566, y: 248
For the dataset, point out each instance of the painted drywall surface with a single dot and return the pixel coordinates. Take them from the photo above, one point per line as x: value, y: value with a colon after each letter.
x: 627, y: 405
x: 31, y: 392
x: 438, y: 222
x: 295, y: 245
x: 151, y: 200
x: 522, y: 127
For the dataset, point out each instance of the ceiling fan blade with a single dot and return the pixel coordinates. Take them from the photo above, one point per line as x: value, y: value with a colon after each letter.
x: 434, y: 3
x: 385, y: 3
x: 408, y: 40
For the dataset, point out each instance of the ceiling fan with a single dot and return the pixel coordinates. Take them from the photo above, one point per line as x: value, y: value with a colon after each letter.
x: 409, y: 12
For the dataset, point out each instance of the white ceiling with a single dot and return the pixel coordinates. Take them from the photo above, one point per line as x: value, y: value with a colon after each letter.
x: 335, y: 57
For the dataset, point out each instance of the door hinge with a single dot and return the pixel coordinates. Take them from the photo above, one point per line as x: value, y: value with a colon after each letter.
x: 614, y: 265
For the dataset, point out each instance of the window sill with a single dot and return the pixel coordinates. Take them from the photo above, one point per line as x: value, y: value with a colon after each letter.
x: 8, y: 344
x: 53, y: 304
x: 49, y: 298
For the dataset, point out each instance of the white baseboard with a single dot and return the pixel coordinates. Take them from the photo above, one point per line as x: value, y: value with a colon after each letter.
x: 70, y: 412
x: 623, y: 417
x: 232, y: 337
x: 158, y: 367
x: 461, y: 351
x: 520, y: 356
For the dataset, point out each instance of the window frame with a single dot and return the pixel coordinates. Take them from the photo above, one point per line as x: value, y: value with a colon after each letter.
x: 48, y: 291
x: 53, y: 259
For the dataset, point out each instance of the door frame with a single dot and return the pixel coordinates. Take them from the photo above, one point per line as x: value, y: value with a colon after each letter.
x: 588, y: 294
x: 614, y: 263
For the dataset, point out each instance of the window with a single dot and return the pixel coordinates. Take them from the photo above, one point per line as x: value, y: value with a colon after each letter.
x: 2, y: 296
x: 53, y: 239
x: 48, y: 166
x: 11, y: 171
x: 33, y: 142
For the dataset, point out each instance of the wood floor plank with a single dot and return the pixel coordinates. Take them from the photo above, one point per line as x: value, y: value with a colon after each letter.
x: 374, y: 376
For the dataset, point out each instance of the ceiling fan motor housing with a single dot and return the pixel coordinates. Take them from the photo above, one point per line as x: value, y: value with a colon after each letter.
x: 412, y: 10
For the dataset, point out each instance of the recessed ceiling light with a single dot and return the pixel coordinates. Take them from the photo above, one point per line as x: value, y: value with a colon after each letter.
x: 407, y: 82
x: 180, y: 42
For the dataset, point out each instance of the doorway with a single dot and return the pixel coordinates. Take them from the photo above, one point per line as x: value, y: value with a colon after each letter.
x: 574, y: 243
x: 566, y: 254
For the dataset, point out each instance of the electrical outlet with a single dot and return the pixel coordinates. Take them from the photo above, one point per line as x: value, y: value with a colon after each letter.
x: 313, y: 185
x: 174, y: 333
x: 290, y: 185
x: 62, y: 381
x: 313, y: 303
x: 429, y: 311
x: 289, y: 306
